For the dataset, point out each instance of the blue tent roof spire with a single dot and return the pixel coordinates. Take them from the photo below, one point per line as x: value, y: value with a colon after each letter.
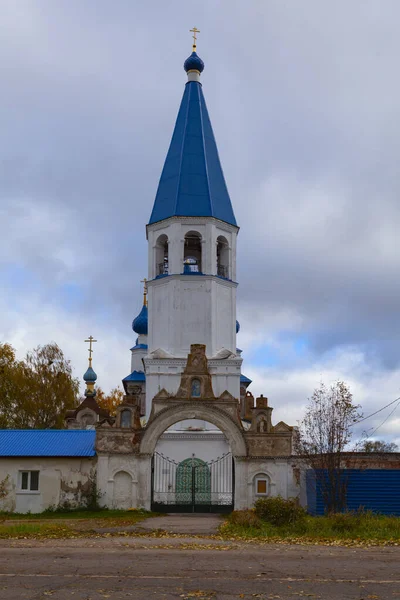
x: 192, y: 182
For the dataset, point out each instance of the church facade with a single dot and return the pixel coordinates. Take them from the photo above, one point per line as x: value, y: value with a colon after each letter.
x: 188, y: 434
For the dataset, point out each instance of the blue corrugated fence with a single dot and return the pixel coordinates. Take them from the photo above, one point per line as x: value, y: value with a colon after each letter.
x: 377, y: 490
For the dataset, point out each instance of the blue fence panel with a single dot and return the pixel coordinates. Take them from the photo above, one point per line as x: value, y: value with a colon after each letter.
x: 377, y: 490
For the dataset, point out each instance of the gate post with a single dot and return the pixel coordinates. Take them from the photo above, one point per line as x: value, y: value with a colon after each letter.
x: 240, y: 498
x: 144, y: 480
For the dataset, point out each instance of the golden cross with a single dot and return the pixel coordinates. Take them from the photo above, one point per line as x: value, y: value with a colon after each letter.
x: 89, y: 341
x: 144, y: 281
x: 194, y: 30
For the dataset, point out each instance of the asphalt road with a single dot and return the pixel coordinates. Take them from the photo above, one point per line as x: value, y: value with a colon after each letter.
x: 166, y: 568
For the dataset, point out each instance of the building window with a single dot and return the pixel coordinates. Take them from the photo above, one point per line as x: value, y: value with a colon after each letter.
x: 261, y: 486
x: 196, y: 388
x: 125, y: 418
x: 29, y: 481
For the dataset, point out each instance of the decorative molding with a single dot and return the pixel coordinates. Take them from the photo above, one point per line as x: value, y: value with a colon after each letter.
x: 269, y: 457
x: 227, y: 227
x: 178, y: 361
x: 192, y: 435
x: 198, y: 277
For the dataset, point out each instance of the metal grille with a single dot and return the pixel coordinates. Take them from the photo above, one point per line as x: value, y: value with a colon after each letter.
x: 192, y: 485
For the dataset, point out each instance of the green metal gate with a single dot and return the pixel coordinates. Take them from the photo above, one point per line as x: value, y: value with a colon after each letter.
x: 192, y: 485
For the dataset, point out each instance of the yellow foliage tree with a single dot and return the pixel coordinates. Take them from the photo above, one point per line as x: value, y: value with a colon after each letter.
x: 36, y: 392
x: 111, y: 400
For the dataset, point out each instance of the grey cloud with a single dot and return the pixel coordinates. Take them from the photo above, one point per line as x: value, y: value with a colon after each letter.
x: 304, y: 101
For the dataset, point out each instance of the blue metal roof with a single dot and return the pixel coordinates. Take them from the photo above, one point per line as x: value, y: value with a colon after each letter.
x: 244, y: 379
x: 47, y: 442
x: 141, y: 323
x: 192, y: 183
x: 135, y: 376
x: 139, y: 347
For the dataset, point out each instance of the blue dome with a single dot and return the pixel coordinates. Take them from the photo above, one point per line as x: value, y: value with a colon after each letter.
x: 140, y: 324
x: 193, y: 63
x: 90, y: 376
x: 237, y: 326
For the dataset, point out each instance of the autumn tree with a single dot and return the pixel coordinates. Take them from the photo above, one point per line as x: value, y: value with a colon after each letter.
x: 11, y: 377
x: 324, y: 435
x: 378, y: 446
x: 111, y: 400
x: 36, y: 392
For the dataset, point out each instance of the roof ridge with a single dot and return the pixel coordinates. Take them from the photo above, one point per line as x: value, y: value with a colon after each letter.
x: 182, y: 147
x: 201, y: 98
x: 37, y: 430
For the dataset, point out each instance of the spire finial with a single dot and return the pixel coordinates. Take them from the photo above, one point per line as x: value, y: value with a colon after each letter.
x: 144, y: 281
x: 194, y: 30
x: 90, y: 376
x: 89, y: 341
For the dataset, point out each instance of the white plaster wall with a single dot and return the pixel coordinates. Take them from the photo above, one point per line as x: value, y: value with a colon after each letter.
x: 139, y: 470
x: 51, y: 472
x: 281, y: 476
x: 137, y: 360
x: 205, y: 446
x: 109, y: 466
x: 191, y: 309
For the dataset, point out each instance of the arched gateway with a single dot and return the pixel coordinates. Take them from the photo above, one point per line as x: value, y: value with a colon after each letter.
x: 194, y: 485
x: 226, y: 483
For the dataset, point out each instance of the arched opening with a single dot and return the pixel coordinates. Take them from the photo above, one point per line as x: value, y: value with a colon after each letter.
x: 122, y: 492
x: 162, y: 255
x: 222, y: 257
x: 192, y: 253
x: 196, y: 474
x: 182, y: 412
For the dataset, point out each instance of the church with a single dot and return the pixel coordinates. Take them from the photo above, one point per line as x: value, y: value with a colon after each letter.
x: 189, y: 435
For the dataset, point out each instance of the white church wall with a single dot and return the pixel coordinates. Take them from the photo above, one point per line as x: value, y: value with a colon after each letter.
x: 281, y: 475
x: 60, y: 480
x: 191, y: 309
x: 203, y: 445
x: 118, y: 480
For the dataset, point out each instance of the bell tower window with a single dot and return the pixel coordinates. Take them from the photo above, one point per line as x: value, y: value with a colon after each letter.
x: 222, y: 257
x: 162, y: 255
x: 192, y: 253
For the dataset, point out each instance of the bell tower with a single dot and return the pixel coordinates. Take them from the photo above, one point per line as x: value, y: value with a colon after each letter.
x: 191, y: 236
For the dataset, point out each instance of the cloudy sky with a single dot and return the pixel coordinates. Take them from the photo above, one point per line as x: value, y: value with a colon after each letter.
x: 304, y: 99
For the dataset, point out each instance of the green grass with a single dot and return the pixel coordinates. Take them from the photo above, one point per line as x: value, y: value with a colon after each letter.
x: 78, y: 523
x: 78, y: 514
x: 35, y: 530
x: 347, y: 529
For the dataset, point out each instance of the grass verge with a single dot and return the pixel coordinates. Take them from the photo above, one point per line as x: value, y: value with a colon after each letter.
x: 68, y: 524
x: 348, y: 529
x: 76, y: 514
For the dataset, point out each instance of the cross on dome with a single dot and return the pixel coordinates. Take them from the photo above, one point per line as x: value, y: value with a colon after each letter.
x: 194, y: 30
